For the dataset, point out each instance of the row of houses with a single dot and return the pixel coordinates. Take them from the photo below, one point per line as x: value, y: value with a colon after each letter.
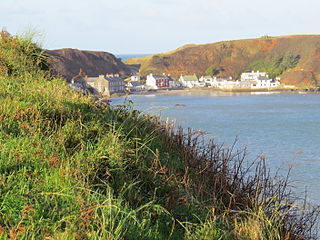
x: 113, y: 83
x: 253, y: 80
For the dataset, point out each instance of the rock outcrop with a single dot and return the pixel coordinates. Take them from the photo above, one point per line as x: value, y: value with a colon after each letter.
x: 67, y: 63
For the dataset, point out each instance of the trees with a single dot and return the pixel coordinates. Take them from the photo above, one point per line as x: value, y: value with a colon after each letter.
x: 277, y: 65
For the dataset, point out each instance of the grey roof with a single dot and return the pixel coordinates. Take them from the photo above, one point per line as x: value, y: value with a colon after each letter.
x: 111, y: 79
x: 190, y: 77
x: 163, y: 77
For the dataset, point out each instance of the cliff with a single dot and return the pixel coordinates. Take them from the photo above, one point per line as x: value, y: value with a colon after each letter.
x: 296, y: 59
x: 67, y: 63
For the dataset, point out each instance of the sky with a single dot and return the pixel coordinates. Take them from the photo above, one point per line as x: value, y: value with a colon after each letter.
x: 155, y: 26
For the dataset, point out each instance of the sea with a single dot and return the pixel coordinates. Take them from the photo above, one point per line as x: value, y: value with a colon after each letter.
x: 125, y: 57
x: 284, y: 128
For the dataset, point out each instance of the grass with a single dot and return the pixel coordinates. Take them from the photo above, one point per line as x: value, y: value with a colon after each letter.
x: 70, y: 169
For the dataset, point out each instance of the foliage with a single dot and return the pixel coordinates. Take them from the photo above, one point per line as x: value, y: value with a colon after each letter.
x: 212, y: 71
x: 277, y: 65
x: 20, y: 54
x: 266, y: 36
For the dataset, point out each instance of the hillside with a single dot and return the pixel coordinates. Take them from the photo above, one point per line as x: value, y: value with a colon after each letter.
x: 295, y: 58
x: 67, y: 63
x: 72, y: 168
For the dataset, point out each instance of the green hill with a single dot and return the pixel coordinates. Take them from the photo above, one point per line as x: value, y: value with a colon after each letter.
x: 296, y: 59
x: 71, y: 168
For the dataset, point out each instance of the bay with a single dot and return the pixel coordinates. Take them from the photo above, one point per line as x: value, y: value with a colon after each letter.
x: 285, y: 128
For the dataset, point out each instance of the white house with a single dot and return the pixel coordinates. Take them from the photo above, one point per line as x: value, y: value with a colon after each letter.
x: 189, y: 81
x: 159, y: 81
x: 259, y: 80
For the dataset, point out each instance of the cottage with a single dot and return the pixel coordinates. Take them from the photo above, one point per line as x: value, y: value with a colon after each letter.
x: 159, y: 81
x: 189, y: 81
x: 133, y: 86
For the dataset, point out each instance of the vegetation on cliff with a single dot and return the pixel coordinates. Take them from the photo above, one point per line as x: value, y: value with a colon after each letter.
x: 296, y: 59
x: 74, y: 169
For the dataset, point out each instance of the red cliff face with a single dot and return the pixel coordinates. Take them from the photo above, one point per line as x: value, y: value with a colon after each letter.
x: 67, y: 63
x: 298, y: 59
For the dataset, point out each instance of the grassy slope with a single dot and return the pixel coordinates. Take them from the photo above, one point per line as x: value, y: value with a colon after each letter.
x: 231, y: 58
x: 70, y: 169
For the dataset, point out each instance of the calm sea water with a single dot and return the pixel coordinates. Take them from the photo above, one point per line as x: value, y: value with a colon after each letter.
x: 283, y: 127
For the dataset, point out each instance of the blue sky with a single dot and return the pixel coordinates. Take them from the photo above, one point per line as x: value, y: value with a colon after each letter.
x: 153, y: 26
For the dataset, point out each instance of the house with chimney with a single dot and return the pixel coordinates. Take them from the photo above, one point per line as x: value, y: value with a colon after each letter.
x: 107, y: 84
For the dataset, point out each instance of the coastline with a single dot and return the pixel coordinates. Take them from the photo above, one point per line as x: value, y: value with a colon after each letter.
x: 214, y: 92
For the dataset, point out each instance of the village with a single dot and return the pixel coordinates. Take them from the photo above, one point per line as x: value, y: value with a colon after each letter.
x: 110, y: 84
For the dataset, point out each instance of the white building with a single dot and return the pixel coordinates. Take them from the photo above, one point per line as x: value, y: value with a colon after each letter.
x: 159, y: 81
x: 189, y: 81
x: 259, y: 80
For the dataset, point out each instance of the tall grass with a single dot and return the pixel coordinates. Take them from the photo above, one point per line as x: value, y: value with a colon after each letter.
x: 70, y: 169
